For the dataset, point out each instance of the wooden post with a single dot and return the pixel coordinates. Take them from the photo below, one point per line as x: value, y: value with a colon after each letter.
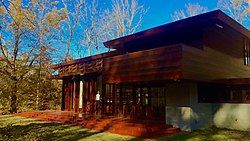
x: 120, y: 100
x: 85, y: 97
x: 71, y: 95
x: 63, y: 95
x: 93, y: 96
x: 109, y: 98
x: 114, y: 99
x: 67, y: 95
x: 134, y: 106
x: 77, y: 93
x: 103, y: 96
x: 149, y: 106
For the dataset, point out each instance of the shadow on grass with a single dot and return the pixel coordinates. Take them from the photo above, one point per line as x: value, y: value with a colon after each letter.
x: 210, y: 134
x: 28, y: 130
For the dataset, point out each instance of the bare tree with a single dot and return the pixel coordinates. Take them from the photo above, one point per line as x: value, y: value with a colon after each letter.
x: 190, y: 10
x: 125, y: 17
x: 92, y: 34
x: 237, y: 9
x: 72, y: 28
x: 86, y: 25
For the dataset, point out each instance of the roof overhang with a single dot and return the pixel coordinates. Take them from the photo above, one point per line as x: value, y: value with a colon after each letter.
x: 86, y: 59
x: 186, y: 26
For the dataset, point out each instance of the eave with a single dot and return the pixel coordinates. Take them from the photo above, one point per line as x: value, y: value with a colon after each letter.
x: 198, y: 22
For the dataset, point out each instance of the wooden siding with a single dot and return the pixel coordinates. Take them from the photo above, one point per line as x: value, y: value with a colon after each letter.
x: 224, y: 40
x: 94, y: 66
x: 210, y: 64
x: 87, y: 65
x: 154, y: 64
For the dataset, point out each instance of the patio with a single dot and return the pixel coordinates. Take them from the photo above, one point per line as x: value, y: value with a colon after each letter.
x: 122, y: 126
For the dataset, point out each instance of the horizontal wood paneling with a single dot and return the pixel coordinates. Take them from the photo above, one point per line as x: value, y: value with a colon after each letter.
x: 224, y: 40
x: 154, y: 64
x: 209, y: 65
x: 150, y: 76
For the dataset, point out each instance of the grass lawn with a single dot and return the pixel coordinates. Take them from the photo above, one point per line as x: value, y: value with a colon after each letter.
x: 23, y: 129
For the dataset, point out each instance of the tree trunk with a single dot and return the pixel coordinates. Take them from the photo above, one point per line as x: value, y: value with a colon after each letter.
x: 13, y: 102
x: 13, y: 106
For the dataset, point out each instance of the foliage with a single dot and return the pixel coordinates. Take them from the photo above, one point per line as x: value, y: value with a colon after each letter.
x: 190, y: 10
x: 32, y: 34
x: 25, y: 52
x: 237, y: 9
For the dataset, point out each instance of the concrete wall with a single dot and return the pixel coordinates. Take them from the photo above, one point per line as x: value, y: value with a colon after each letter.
x: 232, y: 116
x: 179, y: 117
x: 178, y: 105
x: 223, y: 115
x: 184, y: 111
x: 201, y: 113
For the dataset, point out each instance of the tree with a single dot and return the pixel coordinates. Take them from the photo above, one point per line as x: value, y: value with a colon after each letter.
x: 93, y: 32
x: 72, y: 27
x: 79, y: 31
x: 237, y: 9
x: 190, y: 10
x: 97, y: 25
x: 30, y: 37
x: 24, y: 34
x: 125, y: 17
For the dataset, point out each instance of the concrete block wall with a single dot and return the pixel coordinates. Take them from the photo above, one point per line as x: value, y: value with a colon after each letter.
x: 183, y: 110
x: 232, y: 116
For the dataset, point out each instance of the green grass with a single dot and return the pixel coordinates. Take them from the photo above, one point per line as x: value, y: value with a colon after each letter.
x: 211, y: 134
x: 23, y: 129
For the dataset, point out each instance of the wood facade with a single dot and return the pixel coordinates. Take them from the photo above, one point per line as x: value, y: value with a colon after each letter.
x: 149, y: 65
x: 209, y: 48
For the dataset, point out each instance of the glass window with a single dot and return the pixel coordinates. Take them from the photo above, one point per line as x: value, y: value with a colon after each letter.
x: 246, y: 96
x: 81, y: 94
x: 236, y: 95
x: 246, y: 52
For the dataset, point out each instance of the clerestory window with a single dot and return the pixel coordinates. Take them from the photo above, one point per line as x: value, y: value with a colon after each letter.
x: 246, y: 52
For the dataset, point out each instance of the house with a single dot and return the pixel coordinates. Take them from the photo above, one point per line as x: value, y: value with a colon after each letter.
x: 191, y: 73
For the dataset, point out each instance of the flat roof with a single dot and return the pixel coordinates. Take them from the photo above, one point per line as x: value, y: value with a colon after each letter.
x: 196, y: 23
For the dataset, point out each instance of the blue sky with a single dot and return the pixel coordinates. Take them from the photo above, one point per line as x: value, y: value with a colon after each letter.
x: 160, y: 11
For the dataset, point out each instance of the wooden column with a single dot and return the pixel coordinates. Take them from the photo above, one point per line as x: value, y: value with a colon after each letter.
x: 120, y: 101
x: 103, y: 96
x: 77, y: 93
x: 85, y: 97
x: 134, y: 106
x: 63, y: 95
x: 149, y: 112
x: 93, y: 95
x: 114, y: 99
x: 67, y: 95
x: 109, y: 98
x: 72, y: 96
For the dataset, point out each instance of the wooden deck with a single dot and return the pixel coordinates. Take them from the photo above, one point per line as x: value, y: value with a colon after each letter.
x: 122, y: 126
